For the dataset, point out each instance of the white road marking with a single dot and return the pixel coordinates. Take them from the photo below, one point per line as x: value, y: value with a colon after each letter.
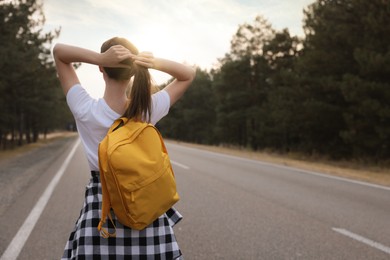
x: 180, y: 165
x: 15, y: 247
x: 297, y: 170
x: 364, y: 240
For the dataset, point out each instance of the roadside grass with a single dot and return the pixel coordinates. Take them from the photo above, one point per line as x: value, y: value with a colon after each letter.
x: 356, y: 170
x: 10, y: 153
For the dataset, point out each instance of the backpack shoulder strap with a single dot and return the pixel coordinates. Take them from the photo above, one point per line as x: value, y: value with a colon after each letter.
x: 106, y: 207
x: 117, y: 124
x: 106, y: 203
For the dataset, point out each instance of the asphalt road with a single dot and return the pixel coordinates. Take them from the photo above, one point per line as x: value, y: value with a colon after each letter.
x: 233, y: 208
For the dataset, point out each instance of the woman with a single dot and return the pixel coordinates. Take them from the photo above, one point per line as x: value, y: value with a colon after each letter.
x: 121, y: 65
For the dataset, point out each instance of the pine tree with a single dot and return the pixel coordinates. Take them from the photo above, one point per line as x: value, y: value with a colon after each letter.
x: 241, y: 84
x: 344, y: 69
x: 28, y: 79
x: 367, y: 91
x: 283, y: 107
x: 192, y: 119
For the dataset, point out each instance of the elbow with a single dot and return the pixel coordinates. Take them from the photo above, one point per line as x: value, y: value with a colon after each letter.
x: 188, y: 75
x: 191, y: 74
x: 57, y: 52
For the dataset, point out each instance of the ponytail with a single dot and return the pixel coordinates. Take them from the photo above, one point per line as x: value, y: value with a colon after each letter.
x: 140, y: 95
x: 139, y: 108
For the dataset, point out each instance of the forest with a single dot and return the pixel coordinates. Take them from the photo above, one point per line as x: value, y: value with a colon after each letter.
x: 326, y: 93
x: 31, y: 100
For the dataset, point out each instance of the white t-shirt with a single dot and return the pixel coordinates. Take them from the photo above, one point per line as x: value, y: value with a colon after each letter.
x: 94, y: 117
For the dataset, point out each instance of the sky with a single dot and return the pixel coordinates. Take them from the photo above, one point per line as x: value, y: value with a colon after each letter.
x: 195, y: 32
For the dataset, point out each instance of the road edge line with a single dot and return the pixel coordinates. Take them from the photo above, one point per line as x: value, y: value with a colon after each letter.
x: 180, y: 165
x: 292, y: 168
x: 17, y: 243
x: 363, y: 240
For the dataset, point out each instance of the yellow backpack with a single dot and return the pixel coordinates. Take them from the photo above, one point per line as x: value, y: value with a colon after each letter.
x: 136, y: 175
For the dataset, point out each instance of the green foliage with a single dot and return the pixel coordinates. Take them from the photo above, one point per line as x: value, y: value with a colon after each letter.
x: 250, y: 39
x: 30, y: 98
x: 192, y: 118
x: 241, y: 85
x: 345, y: 71
x: 367, y: 116
x: 281, y: 113
x: 327, y: 93
x: 232, y: 101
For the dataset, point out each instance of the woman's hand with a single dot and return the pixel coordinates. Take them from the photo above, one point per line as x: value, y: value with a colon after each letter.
x: 65, y: 55
x: 115, y: 57
x: 144, y: 59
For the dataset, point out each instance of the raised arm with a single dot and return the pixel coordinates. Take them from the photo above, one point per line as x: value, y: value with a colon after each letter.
x: 65, y: 55
x: 183, y: 74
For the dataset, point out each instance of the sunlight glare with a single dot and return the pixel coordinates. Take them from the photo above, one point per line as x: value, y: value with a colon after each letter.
x: 158, y: 40
x: 154, y: 39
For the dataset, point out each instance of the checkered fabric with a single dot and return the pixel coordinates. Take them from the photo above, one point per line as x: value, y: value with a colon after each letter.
x: 157, y: 241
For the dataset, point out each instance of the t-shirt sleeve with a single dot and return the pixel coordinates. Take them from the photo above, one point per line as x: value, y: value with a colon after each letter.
x: 78, y: 101
x: 160, y: 106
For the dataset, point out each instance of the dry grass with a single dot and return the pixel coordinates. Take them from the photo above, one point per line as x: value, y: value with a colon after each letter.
x: 352, y: 170
x: 356, y: 171
x: 6, y: 154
